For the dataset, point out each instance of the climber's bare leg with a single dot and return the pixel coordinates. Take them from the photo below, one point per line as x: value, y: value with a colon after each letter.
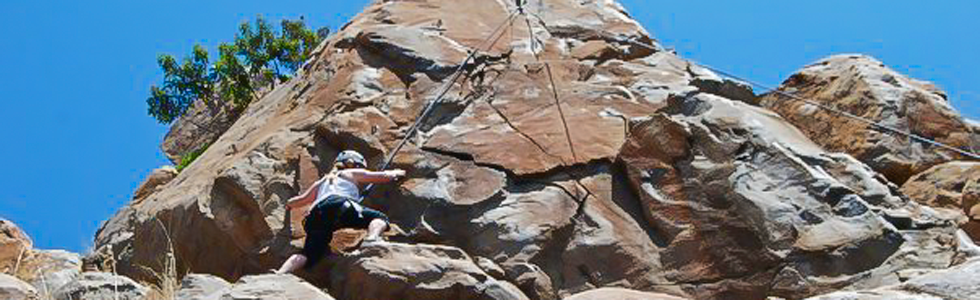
x: 375, y: 229
x: 292, y: 264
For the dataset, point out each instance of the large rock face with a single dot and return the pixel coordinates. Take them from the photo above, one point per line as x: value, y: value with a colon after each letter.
x: 864, y: 87
x: 520, y: 185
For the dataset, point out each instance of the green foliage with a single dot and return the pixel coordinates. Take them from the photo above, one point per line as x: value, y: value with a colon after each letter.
x: 259, y: 55
x: 189, y: 158
x: 182, y: 84
x: 234, y: 83
x: 296, y: 43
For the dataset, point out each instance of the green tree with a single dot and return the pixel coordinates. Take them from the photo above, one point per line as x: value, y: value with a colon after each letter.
x: 259, y: 56
x: 234, y: 82
x: 257, y: 46
x: 182, y: 84
x: 295, y: 44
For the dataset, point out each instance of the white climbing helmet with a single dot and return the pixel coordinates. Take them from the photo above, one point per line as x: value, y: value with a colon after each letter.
x: 351, y: 157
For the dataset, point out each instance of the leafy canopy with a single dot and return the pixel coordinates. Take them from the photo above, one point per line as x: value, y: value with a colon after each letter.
x: 260, y: 56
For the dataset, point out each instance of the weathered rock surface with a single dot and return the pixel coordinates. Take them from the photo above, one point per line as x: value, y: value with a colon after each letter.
x: 867, y: 88
x: 954, y: 187
x: 101, y: 286
x: 960, y: 282
x: 45, y: 270
x: 14, y: 245
x: 403, y: 271
x: 743, y: 205
x: 971, y: 207
x: 12, y: 288
x: 943, y: 185
x: 201, y: 287
x: 709, y: 198
x: 225, y: 212
x: 202, y: 124
x: 154, y: 182
x: 620, y: 294
x: 49, y: 270
x: 285, y: 287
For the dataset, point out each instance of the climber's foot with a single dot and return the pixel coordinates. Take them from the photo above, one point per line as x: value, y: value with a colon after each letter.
x: 368, y: 241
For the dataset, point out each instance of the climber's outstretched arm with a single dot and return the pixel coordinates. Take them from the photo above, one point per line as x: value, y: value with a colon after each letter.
x: 365, y: 176
x: 305, y: 198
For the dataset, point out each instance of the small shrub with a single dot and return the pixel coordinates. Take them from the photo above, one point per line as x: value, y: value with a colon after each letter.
x: 189, y: 158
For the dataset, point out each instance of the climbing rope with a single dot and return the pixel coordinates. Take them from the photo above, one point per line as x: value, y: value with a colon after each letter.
x: 765, y: 88
x: 429, y: 108
x: 561, y: 113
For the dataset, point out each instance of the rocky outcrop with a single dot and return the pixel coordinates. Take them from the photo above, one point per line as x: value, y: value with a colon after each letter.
x: 942, y: 185
x: 865, y: 87
x: 101, y: 286
x: 49, y: 270
x: 620, y: 294
x: 743, y: 205
x: 519, y: 185
x: 45, y: 270
x: 12, y: 288
x: 402, y: 271
x: 225, y: 214
x: 951, y: 186
x: 154, y: 182
x: 960, y: 282
x: 971, y: 207
x: 14, y: 245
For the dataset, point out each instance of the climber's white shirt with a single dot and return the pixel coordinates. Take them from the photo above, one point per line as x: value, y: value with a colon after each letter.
x: 337, y: 186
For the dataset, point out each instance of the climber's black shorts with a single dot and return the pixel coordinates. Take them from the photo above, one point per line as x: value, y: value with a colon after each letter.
x: 331, y: 214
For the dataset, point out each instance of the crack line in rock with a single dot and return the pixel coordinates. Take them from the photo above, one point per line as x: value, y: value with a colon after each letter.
x: 526, y: 136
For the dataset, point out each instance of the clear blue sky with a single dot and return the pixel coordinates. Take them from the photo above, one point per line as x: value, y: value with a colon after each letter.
x: 78, y: 140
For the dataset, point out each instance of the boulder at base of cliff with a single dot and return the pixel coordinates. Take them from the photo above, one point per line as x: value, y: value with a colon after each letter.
x: 865, y: 87
x: 272, y: 286
x: 101, y: 286
x: 12, y: 288
x: 424, y: 272
x: 14, y: 244
x: 201, y: 287
x: 620, y: 294
x: 49, y: 270
x: 960, y: 282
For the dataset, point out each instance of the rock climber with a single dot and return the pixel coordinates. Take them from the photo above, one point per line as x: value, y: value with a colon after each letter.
x: 336, y: 205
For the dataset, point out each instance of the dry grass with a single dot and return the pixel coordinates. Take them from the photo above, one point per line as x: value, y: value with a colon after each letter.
x: 20, y: 257
x: 167, y: 281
